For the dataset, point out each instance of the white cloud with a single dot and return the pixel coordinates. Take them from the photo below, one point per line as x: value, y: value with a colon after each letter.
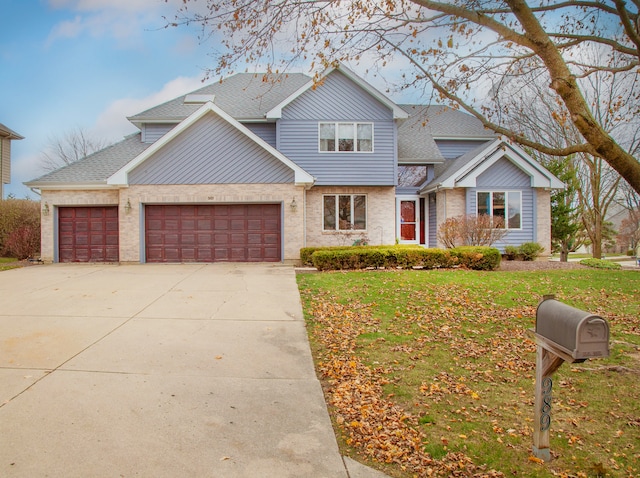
x: 112, y: 123
x: 123, y: 20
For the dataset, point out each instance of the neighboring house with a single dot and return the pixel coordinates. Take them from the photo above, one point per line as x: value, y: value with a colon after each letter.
x: 6, y: 136
x: 255, y: 168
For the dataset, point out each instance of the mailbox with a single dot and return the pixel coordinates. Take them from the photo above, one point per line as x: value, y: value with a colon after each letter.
x: 579, y: 334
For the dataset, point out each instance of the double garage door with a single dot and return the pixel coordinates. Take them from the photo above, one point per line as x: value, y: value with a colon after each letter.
x: 176, y: 233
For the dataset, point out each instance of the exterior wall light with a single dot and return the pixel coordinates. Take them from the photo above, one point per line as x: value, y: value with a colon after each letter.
x: 127, y: 207
x: 294, y: 205
x: 45, y: 209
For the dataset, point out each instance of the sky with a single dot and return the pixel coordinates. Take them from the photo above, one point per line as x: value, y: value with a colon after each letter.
x: 88, y: 64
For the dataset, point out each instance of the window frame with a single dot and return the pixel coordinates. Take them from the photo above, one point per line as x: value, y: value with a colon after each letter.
x: 352, y: 212
x: 506, y: 193
x: 355, y: 125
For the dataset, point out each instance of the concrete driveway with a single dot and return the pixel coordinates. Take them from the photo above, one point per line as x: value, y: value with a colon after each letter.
x: 199, y: 370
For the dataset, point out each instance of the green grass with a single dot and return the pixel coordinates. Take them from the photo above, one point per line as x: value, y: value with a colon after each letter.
x: 7, y: 263
x: 449, y: 348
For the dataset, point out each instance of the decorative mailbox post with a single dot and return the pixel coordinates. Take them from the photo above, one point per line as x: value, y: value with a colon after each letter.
x: 563, y: 334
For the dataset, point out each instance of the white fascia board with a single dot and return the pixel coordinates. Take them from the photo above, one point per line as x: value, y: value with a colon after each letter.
x: 120, y: 177
x: 276, y: 111
x: 398, y: 113
x: 452, y: 180
x: 46, y: 186
x: 554, y: 183
x: 464, y: 138
x: 540, y: 176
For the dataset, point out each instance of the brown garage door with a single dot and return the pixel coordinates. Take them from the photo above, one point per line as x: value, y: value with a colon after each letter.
x: 88, y: 234
x: 213, y: 233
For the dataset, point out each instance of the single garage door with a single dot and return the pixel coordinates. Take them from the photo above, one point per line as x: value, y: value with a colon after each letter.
x: 213, y: 233
x: 88, y: 234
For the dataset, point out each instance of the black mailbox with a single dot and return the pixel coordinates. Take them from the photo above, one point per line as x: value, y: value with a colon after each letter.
x: 580, y: 334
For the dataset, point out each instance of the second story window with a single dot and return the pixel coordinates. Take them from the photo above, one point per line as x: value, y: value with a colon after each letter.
x: 346, y: 137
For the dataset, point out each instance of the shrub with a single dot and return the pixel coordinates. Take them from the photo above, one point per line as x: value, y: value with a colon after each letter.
x: 348, y: 258
x: 472, y: 230
x: 307, y: 252
x: 511, y: 253
x: 343, y: 258
x: 530, y: 250
x: 600, y: 264
x: 478, y: 258
x: 19, y: 228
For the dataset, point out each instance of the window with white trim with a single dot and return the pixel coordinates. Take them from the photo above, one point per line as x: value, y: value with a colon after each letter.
x: 506, y: 205
x: 345, y: 137
x: 344, y: 212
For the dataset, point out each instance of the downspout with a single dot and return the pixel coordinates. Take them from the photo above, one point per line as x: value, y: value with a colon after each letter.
x: 304, y: 217
x: 444, y: 202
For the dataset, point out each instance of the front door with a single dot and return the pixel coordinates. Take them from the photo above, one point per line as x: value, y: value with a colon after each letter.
x: 411, y: 216
x: 408, y: 221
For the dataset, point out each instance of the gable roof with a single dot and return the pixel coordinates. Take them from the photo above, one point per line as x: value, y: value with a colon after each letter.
x: 398, y: 113
x: 417, y: 135
x: 120, y: 177
x: 93, y: 170
x: 8, y: 133
x: 244, y: 96
x: 464, y: 171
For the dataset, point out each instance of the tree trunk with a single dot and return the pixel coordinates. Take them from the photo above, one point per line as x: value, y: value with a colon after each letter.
x: 564, y: 83
x: 596, y: 239
x: 564, y: 254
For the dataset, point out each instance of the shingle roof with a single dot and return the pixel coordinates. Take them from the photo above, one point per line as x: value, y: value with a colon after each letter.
x: 97, y: 167
x: 443, y: 121
x: 248, y: 96
x: 444, y: 171
x: 416, y: 142
x: 243, y: 96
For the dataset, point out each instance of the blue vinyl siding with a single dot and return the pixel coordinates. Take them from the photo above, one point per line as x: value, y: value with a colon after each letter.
x: 433, y: 221
x: 505, y: 176
x: 266, y: 131
x: 299, y: 141
x: 152, y: 132
x: 212, y: 151
x: 452, y: 148
x: 339, y: 99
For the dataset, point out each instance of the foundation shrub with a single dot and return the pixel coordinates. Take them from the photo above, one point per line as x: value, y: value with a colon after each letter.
x: 530, y: 250
x: 477, y: 258
x: 405, y: 257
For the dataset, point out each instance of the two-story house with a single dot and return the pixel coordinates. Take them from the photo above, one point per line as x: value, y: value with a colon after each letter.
x: 6, y: 136
x: 254, y: 168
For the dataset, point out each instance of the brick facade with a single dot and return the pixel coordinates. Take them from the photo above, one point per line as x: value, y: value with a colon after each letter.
x: 50, y: 200
x: 381, y: 217
x: 130, y: 219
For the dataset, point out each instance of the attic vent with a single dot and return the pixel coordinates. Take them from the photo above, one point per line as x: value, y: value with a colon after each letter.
x: 198, y: 99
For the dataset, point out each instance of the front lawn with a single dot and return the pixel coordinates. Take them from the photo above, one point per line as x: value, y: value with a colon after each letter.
x: 431, y: 373
x: 7, y: 263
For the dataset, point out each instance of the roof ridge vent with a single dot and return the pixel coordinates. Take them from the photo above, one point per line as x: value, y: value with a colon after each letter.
x: 199, y: 98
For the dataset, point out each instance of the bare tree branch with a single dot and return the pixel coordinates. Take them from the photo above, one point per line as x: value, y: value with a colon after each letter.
x: 456, y: 48
x: 69, y: 148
